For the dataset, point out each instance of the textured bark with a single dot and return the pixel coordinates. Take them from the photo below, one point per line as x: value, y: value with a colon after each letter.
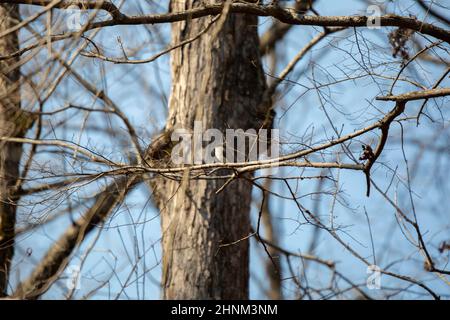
x: 217, y: 80
x: 10, y: 153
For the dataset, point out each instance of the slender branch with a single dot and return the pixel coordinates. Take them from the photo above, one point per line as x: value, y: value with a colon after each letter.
x: 417, y: 95
x: 433, y: 12
x: 82, y: 4
x: 385, y: 123
x: 57, y: 257
x: 283, y: 15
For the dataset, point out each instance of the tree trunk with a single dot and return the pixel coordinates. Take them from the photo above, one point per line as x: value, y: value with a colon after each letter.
x: 10, y: 153
x: 217, y: 79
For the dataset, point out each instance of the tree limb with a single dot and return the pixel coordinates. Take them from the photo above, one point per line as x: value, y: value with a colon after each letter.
x: 57, y: 257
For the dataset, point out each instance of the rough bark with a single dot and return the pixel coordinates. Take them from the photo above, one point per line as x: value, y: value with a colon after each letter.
x: 217, y: 79
x: 11, y: 120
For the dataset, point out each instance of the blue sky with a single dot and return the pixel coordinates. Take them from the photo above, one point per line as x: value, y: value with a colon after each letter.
x: 141, y: 91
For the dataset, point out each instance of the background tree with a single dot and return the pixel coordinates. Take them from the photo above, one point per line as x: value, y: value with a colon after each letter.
x: 12, y: 124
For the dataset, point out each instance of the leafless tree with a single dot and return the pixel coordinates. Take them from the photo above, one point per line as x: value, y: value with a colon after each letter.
x: 89, y: 103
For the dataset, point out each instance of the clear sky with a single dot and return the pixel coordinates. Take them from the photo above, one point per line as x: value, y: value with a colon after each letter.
x: 128, y: 249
